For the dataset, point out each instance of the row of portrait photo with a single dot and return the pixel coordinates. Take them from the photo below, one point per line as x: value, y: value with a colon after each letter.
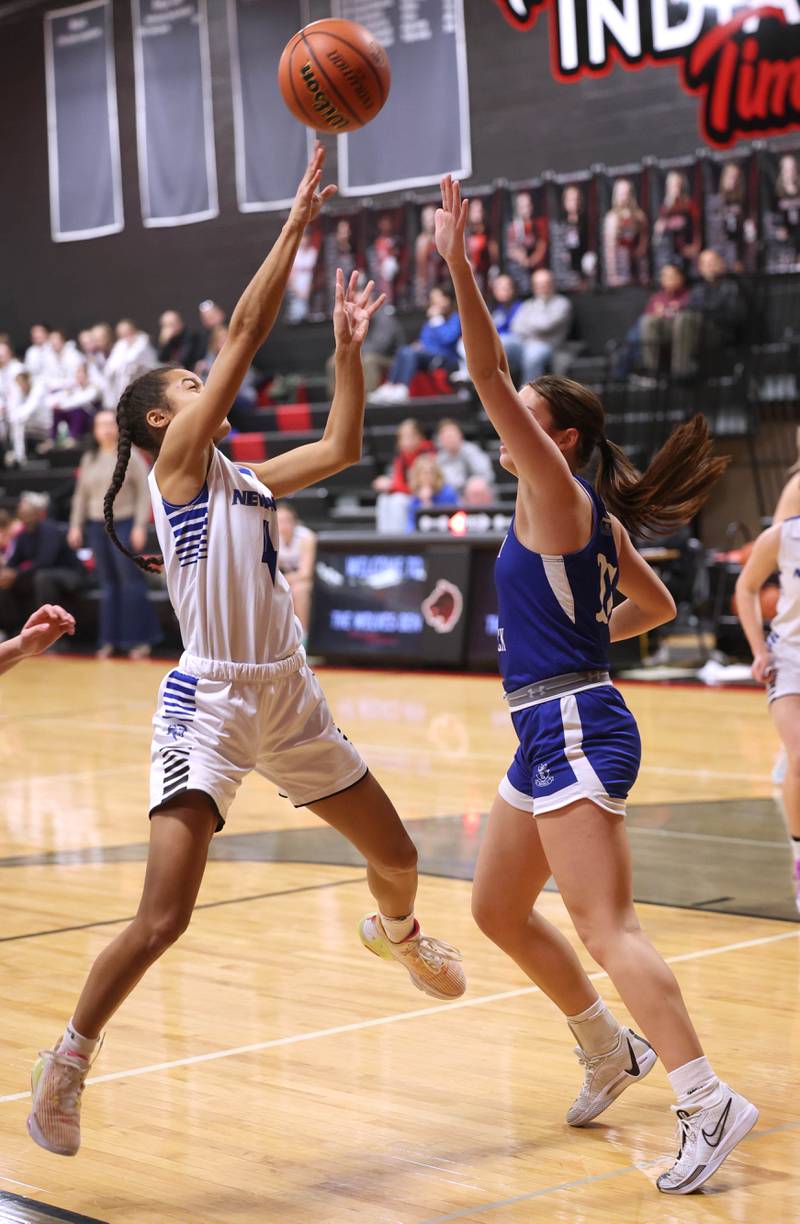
x: 607, y: 227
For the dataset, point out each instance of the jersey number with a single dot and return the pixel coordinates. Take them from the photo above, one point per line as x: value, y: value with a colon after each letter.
x: 269, y: 556
x: 608, y: 573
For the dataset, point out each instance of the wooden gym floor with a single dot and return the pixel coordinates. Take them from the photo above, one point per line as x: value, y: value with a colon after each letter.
x: 268, y: 1069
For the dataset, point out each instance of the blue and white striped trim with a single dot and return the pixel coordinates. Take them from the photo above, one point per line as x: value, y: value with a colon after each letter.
x: 180, y: 696
x: 189, y: 528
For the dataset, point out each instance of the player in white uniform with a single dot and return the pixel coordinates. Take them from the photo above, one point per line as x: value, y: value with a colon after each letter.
x: 242, y: 697
x: 776, y: 659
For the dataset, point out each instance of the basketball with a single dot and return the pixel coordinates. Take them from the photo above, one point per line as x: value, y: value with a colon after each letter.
x: 769, y: 596
x: 334, y: 76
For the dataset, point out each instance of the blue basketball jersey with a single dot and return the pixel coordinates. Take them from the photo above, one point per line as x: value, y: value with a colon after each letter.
x: 554, y: 611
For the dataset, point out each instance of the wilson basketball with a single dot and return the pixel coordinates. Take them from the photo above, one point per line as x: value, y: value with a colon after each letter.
x: 334, y: 76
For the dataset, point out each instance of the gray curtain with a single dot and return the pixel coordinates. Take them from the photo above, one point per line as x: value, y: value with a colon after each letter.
x: 82, y: 128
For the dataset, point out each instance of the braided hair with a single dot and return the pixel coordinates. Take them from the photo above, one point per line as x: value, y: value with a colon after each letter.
x: 137, y: 399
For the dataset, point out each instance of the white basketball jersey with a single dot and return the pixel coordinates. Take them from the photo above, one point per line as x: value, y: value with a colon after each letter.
x: 785, y: 628
x: 221, y: 565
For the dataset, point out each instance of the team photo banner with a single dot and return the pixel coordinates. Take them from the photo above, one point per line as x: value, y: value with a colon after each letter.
x: 82, y: 126
x: 423, y: 130
x: 742, y: 60
x: 272, y: 148
x: 174, y: 119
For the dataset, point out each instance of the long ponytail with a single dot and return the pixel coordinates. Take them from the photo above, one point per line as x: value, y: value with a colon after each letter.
x: 676, y: 483
x: 136, y: 400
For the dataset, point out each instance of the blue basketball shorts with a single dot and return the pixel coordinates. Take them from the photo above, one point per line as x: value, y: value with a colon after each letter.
x: 582, y: 746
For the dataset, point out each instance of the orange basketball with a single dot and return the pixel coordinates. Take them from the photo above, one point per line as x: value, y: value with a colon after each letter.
x: 334, y: 76
x: 768, y: 596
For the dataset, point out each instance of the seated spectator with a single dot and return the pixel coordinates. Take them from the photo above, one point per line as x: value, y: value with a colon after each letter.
x: 74, y: 407
x: 9, y: 529
x: 711, y: 319
x: 176, y: 344
x: 541, y: 326
x: 127, y: 619
x: 103, y: 342
x: 506, y: 306
x: 211, y: 315
x: 296, y: 557
x: 60, y: 362
x: 42, y: 568
x: 384, y: 338
x: 428, y: 488
x: 248, y: 391
x: 478, y: 492
x: 393, y: 488
x: 132, y: 355
x: 10, y: 368
x: 458, y: 459
x: 301, y: 279
x: 435, y: 349
x: 656, y: 323
x: 38, y: 350
x: 31, y: 416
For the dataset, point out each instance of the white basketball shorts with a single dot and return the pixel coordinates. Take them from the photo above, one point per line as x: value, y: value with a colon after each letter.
x: 784, y: 678
x: 217, y: 721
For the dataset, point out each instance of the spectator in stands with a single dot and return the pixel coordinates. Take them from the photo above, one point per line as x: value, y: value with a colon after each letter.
x: 127, y: 619
x: 42, y: 568
x: 31, y: 416
x: 458, y: 459
x: 8, y: 533
x: 651, y: 335
x: 428, y: 488
x: 393, y: 488
x: 248, y: 391
x: 429, y: 267
x: 61, y: 362
x: 541, y: 325
x: 712, y: 320
x: 176, y: 344
x: 103, y: 342
x: 301, y: 279
x: 625, y: 237
x: 10, y: 368
x: 37, y: 351
x: 506, y: 305
x: 384, y: 256
x: 676, y: 233
x: 132, y: 355
x: 384, y: 338
x: 478, y: 493
x: 436, y: 348
x: 481, y: 246
x: 526, y: 241
x: 296, y: 557
x: 211, y: 315
x: 73, y: 408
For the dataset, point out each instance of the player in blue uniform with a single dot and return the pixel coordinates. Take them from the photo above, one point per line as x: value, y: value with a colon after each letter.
x: 560, y: 808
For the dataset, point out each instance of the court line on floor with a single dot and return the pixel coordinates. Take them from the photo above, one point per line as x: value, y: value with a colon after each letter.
x: 380, y: 1021
x: 639, y: 1167
x: 283, y: 892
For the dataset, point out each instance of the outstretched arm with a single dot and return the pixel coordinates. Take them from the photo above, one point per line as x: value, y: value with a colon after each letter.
x: 185, y: 449
x: 538, y: 460
x: 39, y: 632
x: 340, y: 444
x: 762, y: 562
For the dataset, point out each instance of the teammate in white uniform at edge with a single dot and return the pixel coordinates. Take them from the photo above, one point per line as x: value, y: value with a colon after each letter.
x: 560, y: 808
x: 776, y: 658
x: 242, y: 697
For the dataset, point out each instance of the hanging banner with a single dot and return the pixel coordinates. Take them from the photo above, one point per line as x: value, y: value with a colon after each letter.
x: 272, y: 148
x: 423, y: 130
x: 174, y: 120
x: 741, y: 59
x: 82, y: 127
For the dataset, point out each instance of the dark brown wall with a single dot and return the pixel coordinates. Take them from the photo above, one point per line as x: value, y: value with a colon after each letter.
x: 523, y: 122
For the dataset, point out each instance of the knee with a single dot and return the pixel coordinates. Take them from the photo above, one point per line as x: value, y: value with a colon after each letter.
x: 399, y: 859
x: 161, y: 931
x: 493, y: 918
x: 602, y: 936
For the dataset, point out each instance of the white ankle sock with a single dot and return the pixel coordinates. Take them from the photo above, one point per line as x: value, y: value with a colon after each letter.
x: 695, y: 1085
x: 398, y: 929
x: 596, y: 1030
x: 794, y: 842
x: 73, y: 1044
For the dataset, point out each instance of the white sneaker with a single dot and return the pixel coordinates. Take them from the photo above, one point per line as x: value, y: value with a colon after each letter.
x: 389, y: 393
x: 608, y: 1075
x: 57, y: 1082
x: 433, y: 965
x: 707, y: 1137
